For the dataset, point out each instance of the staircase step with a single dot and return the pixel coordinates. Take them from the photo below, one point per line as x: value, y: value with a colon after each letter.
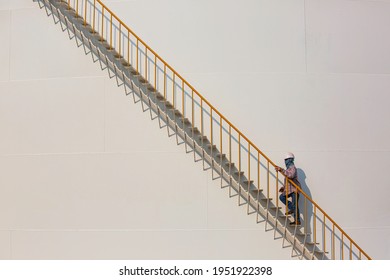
x: 168, y: 105
x: 159, y: 96
x: 221, y: 155
x: 239, y: 173
x: 151, y: 88
x: 92, y: 31
x: 211, y: 147
x: 231, y: 164
x: 88, y: 28
x: 143, y: 81
x: 196, y: 130
x: 303, y: 234
x: 319, y: 251
x: 177, y: 112
x: 133, y: 72
x: 117, y: 55
x: 105, y: 44
x: 125, y: 63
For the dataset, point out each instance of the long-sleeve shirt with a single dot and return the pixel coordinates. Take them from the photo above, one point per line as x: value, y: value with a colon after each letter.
x: 292, y: 174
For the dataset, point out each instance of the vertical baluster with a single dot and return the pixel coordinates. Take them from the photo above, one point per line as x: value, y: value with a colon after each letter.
x: 220, y: 148
x: 268, y: 196
x: 165, y: 82
x: 315, y: 225
x: 258, y: 174
x: 85, y: 13
x: 165, y: 97
x: 324, y: 234
x: 268, y: 181
x: 212, y: 142
x: 333, y: 243
x: 202, y: 128
x: 155, y: 72
x: 94, y: 15
x: 239, y: 169
x: 192, y: 121
x: 111, y: 32
x: 102, y: 39
x: 173, y: 91
x: 249, y: 178
x: 305, y: 225
x: 137, y: 55
x: 146, y: 63
x: 230, y: 160
x: 258, y: 187
x: 182, y: 99
x: 350, y: 249
x: 128, y: 46
x: 120, y: 39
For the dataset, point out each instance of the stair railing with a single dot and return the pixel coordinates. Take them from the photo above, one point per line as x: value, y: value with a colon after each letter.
x: 224, y: 138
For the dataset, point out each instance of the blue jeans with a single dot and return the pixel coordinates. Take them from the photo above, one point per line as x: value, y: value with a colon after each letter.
x: 292, y: 205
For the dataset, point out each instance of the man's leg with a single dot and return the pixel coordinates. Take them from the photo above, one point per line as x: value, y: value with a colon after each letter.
x: 295, y: 206
x: 283, y: 199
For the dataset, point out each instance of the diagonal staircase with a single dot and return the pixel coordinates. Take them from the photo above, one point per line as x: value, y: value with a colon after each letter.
x: 206, y: 133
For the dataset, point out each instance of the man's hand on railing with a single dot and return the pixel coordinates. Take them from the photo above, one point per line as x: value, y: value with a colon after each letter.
x: 278, y: 169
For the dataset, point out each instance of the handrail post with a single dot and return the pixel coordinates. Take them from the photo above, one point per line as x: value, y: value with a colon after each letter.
x: 249, y: 178
x: 220, y: 148
x: 202, y: 129
x: 146, y: 63
x: 324, y: 235
x: 102, y: 25
x: 155, y: 72
x: 120, y: 40
x: 94, y: 14
x: 128, y: 47
x: 333, y: 244
x: 315, y: 225
x: 137, y: 56
x: 165, y: 82
x: 111, y: 32
x: 182, y: 100
x: 230, y: 161
x: 212, y: 141
x: 85, y: 13
x: 173, y: 91
x: 239, y: 169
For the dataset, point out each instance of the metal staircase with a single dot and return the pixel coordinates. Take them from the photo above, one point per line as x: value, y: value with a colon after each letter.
x: 205, y: 132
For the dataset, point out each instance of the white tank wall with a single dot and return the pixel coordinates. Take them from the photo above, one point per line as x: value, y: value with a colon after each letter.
x: 86, y: 174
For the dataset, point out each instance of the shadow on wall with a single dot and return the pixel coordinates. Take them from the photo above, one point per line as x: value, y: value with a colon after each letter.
x: 308, y: 212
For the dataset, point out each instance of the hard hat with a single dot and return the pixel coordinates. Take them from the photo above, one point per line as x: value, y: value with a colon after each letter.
x: 289, y: 155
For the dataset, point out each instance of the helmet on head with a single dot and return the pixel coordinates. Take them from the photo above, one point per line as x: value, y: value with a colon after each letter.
x: 289, y: 155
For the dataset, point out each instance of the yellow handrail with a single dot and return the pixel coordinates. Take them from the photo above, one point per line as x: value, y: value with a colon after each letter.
x: 241, y: 137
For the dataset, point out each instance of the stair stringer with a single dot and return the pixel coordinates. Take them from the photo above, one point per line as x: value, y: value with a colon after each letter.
x: 151, y: 100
